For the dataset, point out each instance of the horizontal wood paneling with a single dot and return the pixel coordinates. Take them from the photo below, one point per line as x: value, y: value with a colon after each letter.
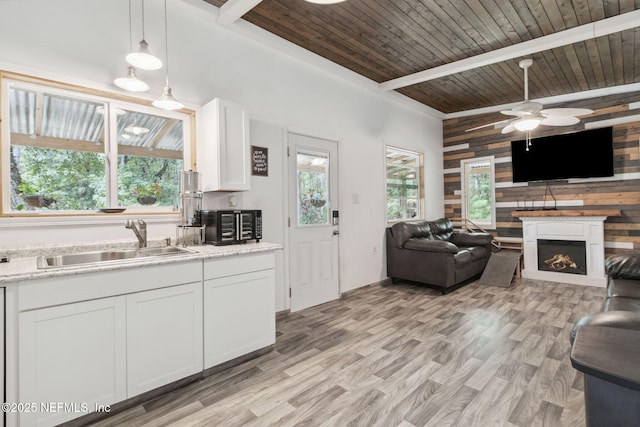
x: 622, y: 193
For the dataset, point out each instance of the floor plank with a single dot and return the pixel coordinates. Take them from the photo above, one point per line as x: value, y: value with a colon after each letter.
x: 402, y: 355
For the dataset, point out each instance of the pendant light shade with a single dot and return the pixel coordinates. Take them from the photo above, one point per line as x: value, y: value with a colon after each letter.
x: 142, y: 58
x: 167, y: 101
x: 130, y: 82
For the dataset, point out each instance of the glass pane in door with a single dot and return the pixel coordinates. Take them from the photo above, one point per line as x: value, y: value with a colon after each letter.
x: 313, y: 188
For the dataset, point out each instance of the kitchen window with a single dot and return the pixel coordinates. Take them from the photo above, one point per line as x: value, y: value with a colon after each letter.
x: 404, y: 189
x: 68, y: 151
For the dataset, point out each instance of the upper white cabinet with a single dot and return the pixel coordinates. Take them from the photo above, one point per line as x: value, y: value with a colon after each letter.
x: 223, y: 151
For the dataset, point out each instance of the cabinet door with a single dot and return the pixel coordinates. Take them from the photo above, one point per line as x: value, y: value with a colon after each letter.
x: 2, y: 383
x: 164, y: 336
x: 239, y: 315
x: 73, y: 355
x: 224, y: 156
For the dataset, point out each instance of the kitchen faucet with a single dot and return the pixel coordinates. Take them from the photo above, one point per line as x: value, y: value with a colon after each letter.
x: 140, y: 231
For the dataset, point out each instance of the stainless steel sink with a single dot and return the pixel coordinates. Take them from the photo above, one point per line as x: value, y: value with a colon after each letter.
x: 67, y: 260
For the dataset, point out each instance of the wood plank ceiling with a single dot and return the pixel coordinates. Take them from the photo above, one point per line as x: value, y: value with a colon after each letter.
x: 387, y: 39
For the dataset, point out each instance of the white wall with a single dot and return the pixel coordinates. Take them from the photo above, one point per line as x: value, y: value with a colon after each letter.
x: 84, y: 41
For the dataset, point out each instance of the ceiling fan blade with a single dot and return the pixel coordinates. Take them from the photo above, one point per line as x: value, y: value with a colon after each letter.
x: 565, y: 112
x: 487, y: 125
x: 508, y: 128
x: 560, y: 120
x: 515, y: 113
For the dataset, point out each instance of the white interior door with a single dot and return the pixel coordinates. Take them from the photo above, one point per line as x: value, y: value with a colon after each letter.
x: 313, y: 233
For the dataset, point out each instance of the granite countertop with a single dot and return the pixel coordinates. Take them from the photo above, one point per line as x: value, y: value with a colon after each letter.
x: 22, y: 263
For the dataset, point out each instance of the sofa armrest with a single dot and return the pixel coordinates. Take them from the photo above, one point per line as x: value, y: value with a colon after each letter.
x: 429, y: 245
x: 623, y: 266
x: 471, y: 239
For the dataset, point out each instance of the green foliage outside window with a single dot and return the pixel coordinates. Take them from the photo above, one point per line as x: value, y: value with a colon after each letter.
x: 75, y: 180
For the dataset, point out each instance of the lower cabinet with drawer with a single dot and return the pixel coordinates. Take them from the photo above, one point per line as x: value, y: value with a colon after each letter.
x: 88, y: 341
x: 239, y: 306
x: 83, y: 356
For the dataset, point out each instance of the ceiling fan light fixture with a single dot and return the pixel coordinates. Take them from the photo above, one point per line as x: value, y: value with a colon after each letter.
x: 130, y: 82
x: 527, y: 123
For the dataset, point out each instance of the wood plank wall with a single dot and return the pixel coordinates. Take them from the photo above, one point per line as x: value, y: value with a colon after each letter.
x: 622, y: 191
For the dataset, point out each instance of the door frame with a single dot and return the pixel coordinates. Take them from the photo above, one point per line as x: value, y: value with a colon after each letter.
x: 287, y: 234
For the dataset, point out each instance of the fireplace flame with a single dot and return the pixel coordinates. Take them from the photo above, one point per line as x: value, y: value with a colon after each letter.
x: 560, y: 262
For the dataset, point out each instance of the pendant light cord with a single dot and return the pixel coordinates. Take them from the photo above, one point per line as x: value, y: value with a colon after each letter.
x: 130, y: 27
x: 166, y: 43
x: 143, y: 20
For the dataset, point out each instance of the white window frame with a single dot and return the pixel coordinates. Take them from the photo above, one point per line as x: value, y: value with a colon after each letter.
x: 419, y: 179
x: 111, y: 153
x: 463, y: 184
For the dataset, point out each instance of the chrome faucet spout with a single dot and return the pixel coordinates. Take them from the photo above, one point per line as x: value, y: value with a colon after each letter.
x: 140, y: 231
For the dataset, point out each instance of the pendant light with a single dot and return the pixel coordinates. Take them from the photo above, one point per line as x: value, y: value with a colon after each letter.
x: 167, y: 101
x: 143, y: 58
x: 130, y: 82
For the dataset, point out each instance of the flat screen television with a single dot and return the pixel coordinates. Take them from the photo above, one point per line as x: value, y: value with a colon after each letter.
x: 586, y: 154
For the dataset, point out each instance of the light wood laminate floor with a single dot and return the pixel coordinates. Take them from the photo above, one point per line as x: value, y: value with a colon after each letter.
x: 402, y: 355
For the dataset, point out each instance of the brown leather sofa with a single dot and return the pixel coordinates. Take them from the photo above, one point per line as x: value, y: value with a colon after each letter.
x: 431, y: 252
x: 621, y: 307
x: 605, y: 347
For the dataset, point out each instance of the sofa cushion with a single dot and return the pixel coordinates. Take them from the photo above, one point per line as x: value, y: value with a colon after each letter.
x: 614, y: 319
x: 623, y: 288
x: 403, y: 231
x: 430, y: 245
x: 623, y: 266
x: 463, y: 257
x: 471, y: 239
x: 478, y: 252
x: 621, y: 304
x: 441, y: 229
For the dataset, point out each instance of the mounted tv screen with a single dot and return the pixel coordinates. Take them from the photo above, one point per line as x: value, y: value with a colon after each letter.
x: 586, y: 154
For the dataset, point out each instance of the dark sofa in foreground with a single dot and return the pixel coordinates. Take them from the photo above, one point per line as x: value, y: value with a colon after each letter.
x: 431, y: 252
x: 605, y: 346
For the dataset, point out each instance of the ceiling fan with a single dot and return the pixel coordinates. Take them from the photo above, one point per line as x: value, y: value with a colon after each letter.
x: 529, y: 114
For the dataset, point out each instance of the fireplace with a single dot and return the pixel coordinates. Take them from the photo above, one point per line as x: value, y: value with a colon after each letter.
x: 562, y: 256
x: 564, y: 238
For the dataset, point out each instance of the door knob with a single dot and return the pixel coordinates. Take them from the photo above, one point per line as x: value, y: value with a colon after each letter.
x: 336, y: 232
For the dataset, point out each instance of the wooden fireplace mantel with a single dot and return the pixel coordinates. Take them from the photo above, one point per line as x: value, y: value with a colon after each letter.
x: 567, y: 212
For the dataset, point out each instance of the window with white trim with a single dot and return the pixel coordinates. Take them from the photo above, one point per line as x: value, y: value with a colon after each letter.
x: 478, y: 191
x: 403, y: 182
x: 68, y: 151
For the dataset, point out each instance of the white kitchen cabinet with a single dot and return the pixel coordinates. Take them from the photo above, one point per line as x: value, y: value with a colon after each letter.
x: 164, y: 336
x: 223, y: 151
x: 100, y: 338
x: 239, y: 307
x: 2, y: 344
x: 72, y: 355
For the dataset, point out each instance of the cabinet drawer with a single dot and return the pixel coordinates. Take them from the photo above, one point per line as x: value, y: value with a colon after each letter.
x: 88, y: 286
x: 230, y: 266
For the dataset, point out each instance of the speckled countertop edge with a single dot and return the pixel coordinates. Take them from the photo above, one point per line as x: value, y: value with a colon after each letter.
x: 25, y: 268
